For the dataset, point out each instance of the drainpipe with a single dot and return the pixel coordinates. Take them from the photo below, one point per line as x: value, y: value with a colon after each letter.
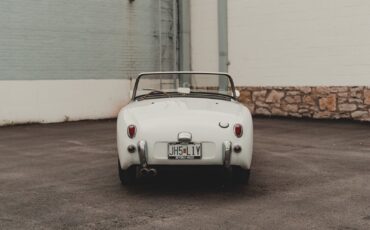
x: 184, y: 35
x: 184, y: 41
x: 223, y: 59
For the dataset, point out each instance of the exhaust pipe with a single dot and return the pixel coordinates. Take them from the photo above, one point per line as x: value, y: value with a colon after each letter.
x: 148, y: 172
x: 144, y: 171
x: 152, y: 172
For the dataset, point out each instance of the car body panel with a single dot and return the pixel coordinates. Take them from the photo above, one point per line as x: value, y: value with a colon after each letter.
x: 159, y: 121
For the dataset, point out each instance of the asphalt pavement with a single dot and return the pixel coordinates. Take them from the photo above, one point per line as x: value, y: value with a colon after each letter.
x: 306, y: 175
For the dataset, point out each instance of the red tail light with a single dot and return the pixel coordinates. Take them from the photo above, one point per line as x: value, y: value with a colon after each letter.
x: 238, y: 130
x: 131, y: 131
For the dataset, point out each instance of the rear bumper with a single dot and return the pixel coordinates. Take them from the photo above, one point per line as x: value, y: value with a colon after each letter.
x: 143, y: 154
x: 220, y: 154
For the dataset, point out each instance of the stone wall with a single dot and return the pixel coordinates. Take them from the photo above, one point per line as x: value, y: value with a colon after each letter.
x: 313, y: 102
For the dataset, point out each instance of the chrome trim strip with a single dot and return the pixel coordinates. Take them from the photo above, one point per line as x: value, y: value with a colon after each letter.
x: 184, y: 137
x: 184, y: 72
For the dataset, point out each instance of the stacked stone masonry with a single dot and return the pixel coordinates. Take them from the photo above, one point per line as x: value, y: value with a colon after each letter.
x: 342, y: 102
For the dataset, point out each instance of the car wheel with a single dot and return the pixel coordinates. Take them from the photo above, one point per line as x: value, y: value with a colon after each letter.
x: 240, y: 175
x: 128, y: 176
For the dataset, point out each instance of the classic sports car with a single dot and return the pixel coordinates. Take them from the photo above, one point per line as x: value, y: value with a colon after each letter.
x: 184, y: 119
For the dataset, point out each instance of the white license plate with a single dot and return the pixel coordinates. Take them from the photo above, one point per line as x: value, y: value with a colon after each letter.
x: 178, y: 151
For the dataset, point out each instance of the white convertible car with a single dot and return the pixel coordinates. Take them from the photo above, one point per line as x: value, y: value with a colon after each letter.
x: 184, y: 119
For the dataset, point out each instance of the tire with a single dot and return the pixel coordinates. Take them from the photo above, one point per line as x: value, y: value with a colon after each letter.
x: 128, y: 176
x: 240, y: 175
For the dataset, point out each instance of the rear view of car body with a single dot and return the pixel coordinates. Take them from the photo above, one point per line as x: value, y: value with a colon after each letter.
x: 185, y: 131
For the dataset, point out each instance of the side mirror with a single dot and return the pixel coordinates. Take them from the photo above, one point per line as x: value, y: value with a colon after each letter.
x: 237, y: 94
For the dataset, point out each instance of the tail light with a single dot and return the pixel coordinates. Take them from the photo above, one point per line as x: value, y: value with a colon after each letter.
x: 238, y: 130
x: 131, y: 131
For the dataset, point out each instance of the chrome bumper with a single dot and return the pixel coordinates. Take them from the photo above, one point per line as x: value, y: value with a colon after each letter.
x: 143, y: 153
x: 226, y: 151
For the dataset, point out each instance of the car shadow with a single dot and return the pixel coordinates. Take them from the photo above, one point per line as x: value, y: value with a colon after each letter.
x: 193, y: 182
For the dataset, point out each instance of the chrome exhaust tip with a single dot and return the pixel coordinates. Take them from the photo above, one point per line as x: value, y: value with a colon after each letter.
x: 144, y: 171
x: 152, y: 172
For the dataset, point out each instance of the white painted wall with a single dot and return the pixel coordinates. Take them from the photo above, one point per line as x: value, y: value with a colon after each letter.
x: 288, y: 42
x: 48, y: 101
x: 204, y: 36
x: 49, y: 49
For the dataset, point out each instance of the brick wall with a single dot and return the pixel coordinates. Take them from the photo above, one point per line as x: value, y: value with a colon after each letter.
x: 342, y: 102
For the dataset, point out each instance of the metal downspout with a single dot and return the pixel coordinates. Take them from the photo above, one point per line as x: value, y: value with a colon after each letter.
x: 184, y: 40
x: 184, y: 35
x: 223, y: 52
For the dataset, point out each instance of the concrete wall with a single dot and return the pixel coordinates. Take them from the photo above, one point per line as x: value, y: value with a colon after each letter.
x: 204, y: 36
x: 307, y: 42
x: 50, y: 50
x: 276, y: 46
x: 287, y: 42
x: 46, y: 101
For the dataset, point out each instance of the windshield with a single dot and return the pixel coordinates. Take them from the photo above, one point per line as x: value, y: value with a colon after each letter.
x: 183, y: 84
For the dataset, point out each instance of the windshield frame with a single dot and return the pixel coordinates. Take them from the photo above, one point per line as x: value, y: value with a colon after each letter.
x: 134, y: 97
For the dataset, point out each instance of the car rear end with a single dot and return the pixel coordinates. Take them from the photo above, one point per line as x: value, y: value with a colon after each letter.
x: 220, y: 140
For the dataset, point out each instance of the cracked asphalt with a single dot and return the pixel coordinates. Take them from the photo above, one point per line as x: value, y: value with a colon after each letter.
x: 306, y: 175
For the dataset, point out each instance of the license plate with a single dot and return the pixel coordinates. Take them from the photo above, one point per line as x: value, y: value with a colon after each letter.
x: 180, y: 151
